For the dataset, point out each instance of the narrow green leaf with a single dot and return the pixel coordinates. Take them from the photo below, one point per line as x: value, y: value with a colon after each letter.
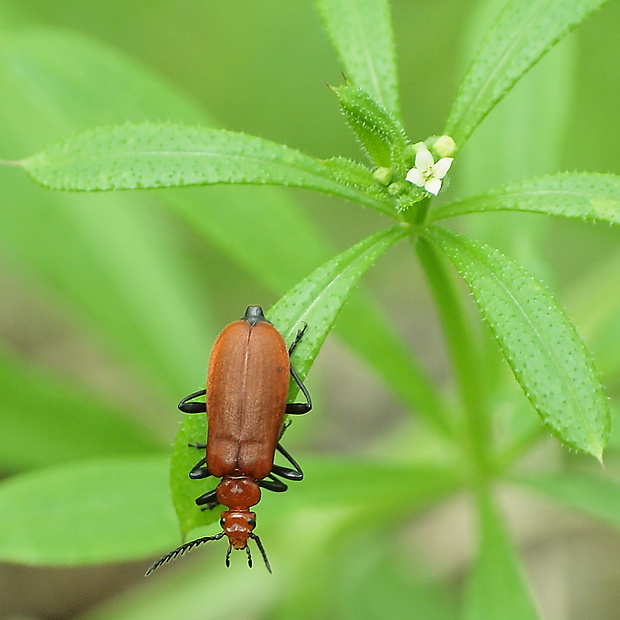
x: 316, y: 301
x: 382, y: 137
x: 538, y: 341
x: 356, y: 175
x: 525, y: 136
x: 592, y: 495
x: 71, y: 424
x: 85, y: 513
x: 361, y: 32
x: 184, y: 490
x: 149, y: 155
x: 497, y: 588
x: 522, y: 33
x: 587, y: 196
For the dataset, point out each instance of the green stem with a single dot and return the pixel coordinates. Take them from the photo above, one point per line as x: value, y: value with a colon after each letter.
x: 464, y: 350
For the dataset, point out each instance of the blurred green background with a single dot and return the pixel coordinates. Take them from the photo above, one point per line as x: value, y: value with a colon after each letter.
x: 261, y: 68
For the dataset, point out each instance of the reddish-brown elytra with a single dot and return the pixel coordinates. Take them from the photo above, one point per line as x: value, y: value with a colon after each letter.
x: 247, y: 389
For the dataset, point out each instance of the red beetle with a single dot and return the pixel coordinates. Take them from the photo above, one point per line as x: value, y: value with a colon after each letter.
x: 247, y: 390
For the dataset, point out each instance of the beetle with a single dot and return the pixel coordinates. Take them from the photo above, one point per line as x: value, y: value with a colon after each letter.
x: 246, y: 400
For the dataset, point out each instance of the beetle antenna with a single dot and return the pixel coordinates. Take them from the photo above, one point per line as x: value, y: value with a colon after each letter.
x: 259, y: 544
x: 175, y: 553
x: 228, y: 556
x: 247, y: 550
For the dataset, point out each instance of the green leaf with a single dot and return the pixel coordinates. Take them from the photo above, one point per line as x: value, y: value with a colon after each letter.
x: 496, y: 588
x: 356, y: 175
x: 380, y: 134
x: 525, y: 136
x: 538, y: 341
x: 361, y: 32
x: 86, y: 513
x: 71, y: 424
x: 596, y: 496
x: 586, y: 196
x: 149, y: 155
x: 184, y: 490
x: 316, y: 301
x: 522, y: 33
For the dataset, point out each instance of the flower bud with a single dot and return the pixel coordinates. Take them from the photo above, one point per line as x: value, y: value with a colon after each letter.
x: 444, y: 146
x: 383, y: 175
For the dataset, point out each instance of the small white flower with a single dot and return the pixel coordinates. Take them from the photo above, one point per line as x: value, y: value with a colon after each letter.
x: 427, y: 173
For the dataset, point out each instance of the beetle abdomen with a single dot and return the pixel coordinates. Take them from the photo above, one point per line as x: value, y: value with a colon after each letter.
x: 247, y: 389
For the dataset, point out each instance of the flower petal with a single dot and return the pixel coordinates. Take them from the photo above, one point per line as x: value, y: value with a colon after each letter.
x: 433, y: 186
x: 442, y: 166
x: 416, y: 177
x: 423, y: 159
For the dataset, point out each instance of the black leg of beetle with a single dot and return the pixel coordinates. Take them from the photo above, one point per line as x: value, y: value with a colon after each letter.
x: 299, y: 408
x: 200, y: 471
x: 285, y: 472
x: 207, y: 500
x: 189, y: 407
x: 200, y: 446
x: 298, y: 337
x: 284, y: 427
x: 273, y: 484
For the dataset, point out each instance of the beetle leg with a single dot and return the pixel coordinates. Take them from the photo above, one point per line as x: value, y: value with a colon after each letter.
x: 273, y: 484
x: 299, y: 408
x: 207, y: 500
x: 200, y: 470
x: 284, y: 427
x: 192, y: 407
x: 298, y: 337
x: 200, y: 446
x: 286, y: 472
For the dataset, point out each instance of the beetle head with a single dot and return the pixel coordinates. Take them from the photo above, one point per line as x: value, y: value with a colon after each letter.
x: 237, y: 526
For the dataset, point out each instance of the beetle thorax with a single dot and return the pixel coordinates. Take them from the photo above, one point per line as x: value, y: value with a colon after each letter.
x: 238, y: 492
